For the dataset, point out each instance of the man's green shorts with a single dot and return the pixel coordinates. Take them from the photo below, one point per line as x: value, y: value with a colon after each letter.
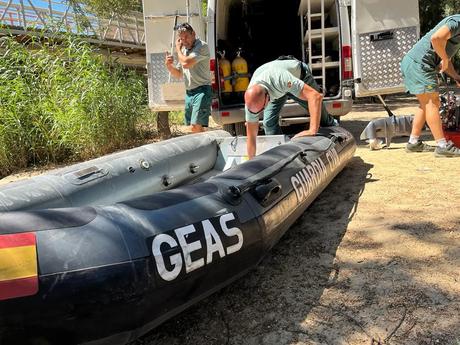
x: 198, y: 105
x: 418, y: 77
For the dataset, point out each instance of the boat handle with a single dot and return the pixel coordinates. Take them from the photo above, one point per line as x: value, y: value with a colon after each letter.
x: 381, y: 36
x: 85, y: 173
x: 266, y: 193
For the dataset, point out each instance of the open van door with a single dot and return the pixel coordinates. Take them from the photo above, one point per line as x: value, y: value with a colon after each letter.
x: 160, y: 17
x: 382, y: 33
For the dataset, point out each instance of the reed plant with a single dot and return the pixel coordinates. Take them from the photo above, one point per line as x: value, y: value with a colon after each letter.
x: 59, y: 101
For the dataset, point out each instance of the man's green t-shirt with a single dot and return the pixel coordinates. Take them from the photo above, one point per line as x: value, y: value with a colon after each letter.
x: 199, y: 74
x: 279, y: 77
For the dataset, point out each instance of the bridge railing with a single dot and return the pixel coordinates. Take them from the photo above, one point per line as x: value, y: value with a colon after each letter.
x: 26, y: 16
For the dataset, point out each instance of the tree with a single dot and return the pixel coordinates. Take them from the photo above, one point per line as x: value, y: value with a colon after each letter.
x: 107, y: 7
x: 431, y: 13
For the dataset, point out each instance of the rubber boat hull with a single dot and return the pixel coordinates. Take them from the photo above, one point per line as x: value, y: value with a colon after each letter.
x: 108, y: 274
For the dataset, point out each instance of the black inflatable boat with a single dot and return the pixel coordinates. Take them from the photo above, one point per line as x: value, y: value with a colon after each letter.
x: 104, y: 251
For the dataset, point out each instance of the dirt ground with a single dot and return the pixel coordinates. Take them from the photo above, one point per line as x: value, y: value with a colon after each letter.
x: 374, y: 260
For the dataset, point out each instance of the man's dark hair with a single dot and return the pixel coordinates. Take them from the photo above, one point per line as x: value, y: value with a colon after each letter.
x: 184, y: 27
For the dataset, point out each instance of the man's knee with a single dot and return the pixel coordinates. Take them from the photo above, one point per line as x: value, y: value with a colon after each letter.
x: 430, y: 99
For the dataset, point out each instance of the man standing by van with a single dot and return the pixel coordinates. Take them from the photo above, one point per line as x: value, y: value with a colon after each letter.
x: 419, y: 67
x: 270, y: 87
x: 193, y: 55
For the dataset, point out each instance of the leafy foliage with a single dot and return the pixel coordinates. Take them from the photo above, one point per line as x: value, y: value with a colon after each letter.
x: 107, y: 7
x: 431, y: 12
x: 120, y: 7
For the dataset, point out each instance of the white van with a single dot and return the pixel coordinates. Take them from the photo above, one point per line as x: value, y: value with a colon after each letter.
x: 353, y: 47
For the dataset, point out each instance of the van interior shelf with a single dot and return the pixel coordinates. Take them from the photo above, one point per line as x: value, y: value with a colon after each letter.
x: 329, y: 64
x: 329, y: 33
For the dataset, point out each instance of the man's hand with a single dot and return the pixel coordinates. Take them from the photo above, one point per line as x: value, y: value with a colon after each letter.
x: 444, y: 66
x: 305, y: 133
x: 178, y: 44
x: 169, y: 60
x: 169, y: 63
x: 451, y: 72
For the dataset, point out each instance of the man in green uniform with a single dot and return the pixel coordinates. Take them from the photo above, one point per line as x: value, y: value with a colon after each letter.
x: 270, y: 87
x: 419, y: 67
x: 193, y: 55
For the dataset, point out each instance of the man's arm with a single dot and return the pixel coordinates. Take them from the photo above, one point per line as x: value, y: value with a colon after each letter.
x: 439, y: 41
x: 314, y: 99
x: 252, y: 128
x: 186, y: 61
x: 453, y: 73
x: 169, y: 62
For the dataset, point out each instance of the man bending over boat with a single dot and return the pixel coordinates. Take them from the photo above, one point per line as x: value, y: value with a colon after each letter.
x: 434, y: 51
x: 193, y: 55
x: 270, y: 87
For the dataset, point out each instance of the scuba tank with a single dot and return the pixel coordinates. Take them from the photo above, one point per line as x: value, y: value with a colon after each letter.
x: 240, y: 70
x: 225, y: 70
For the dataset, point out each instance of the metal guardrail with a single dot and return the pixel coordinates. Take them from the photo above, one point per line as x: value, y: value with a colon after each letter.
x: 25, y: 17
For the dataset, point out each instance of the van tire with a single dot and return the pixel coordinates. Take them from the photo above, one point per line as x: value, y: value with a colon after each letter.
x: 235, y: 129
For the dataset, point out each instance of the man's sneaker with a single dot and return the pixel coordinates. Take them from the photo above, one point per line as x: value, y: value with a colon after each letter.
x: 449, y: 151
x: 420, y: 146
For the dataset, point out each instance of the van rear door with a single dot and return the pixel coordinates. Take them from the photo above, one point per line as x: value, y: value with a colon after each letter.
x: 159, y: 17
x: 382, y: 33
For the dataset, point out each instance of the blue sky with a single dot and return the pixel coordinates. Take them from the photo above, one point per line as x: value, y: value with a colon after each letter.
x: 58, y: 4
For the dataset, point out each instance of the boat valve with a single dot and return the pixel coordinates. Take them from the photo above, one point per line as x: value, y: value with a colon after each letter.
x: 194, y: 168
x: 167, y: 180
x: 232, y: 195
x: 234, y: 191
x: 144, y: 164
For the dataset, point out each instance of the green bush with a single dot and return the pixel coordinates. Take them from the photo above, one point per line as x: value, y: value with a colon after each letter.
x: 60, y: 101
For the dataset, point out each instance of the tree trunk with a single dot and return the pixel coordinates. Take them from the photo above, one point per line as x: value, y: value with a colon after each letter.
x: 163, y: 125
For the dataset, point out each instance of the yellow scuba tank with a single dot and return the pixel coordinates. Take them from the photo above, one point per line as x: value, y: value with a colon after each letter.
x: 240, y: 69
x: 225, y: 70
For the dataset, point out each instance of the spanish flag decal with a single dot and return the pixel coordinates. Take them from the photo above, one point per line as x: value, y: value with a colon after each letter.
x: 18, y: 265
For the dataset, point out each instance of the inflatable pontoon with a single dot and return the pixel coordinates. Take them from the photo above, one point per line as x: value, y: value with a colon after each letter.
x: 104, y: 251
